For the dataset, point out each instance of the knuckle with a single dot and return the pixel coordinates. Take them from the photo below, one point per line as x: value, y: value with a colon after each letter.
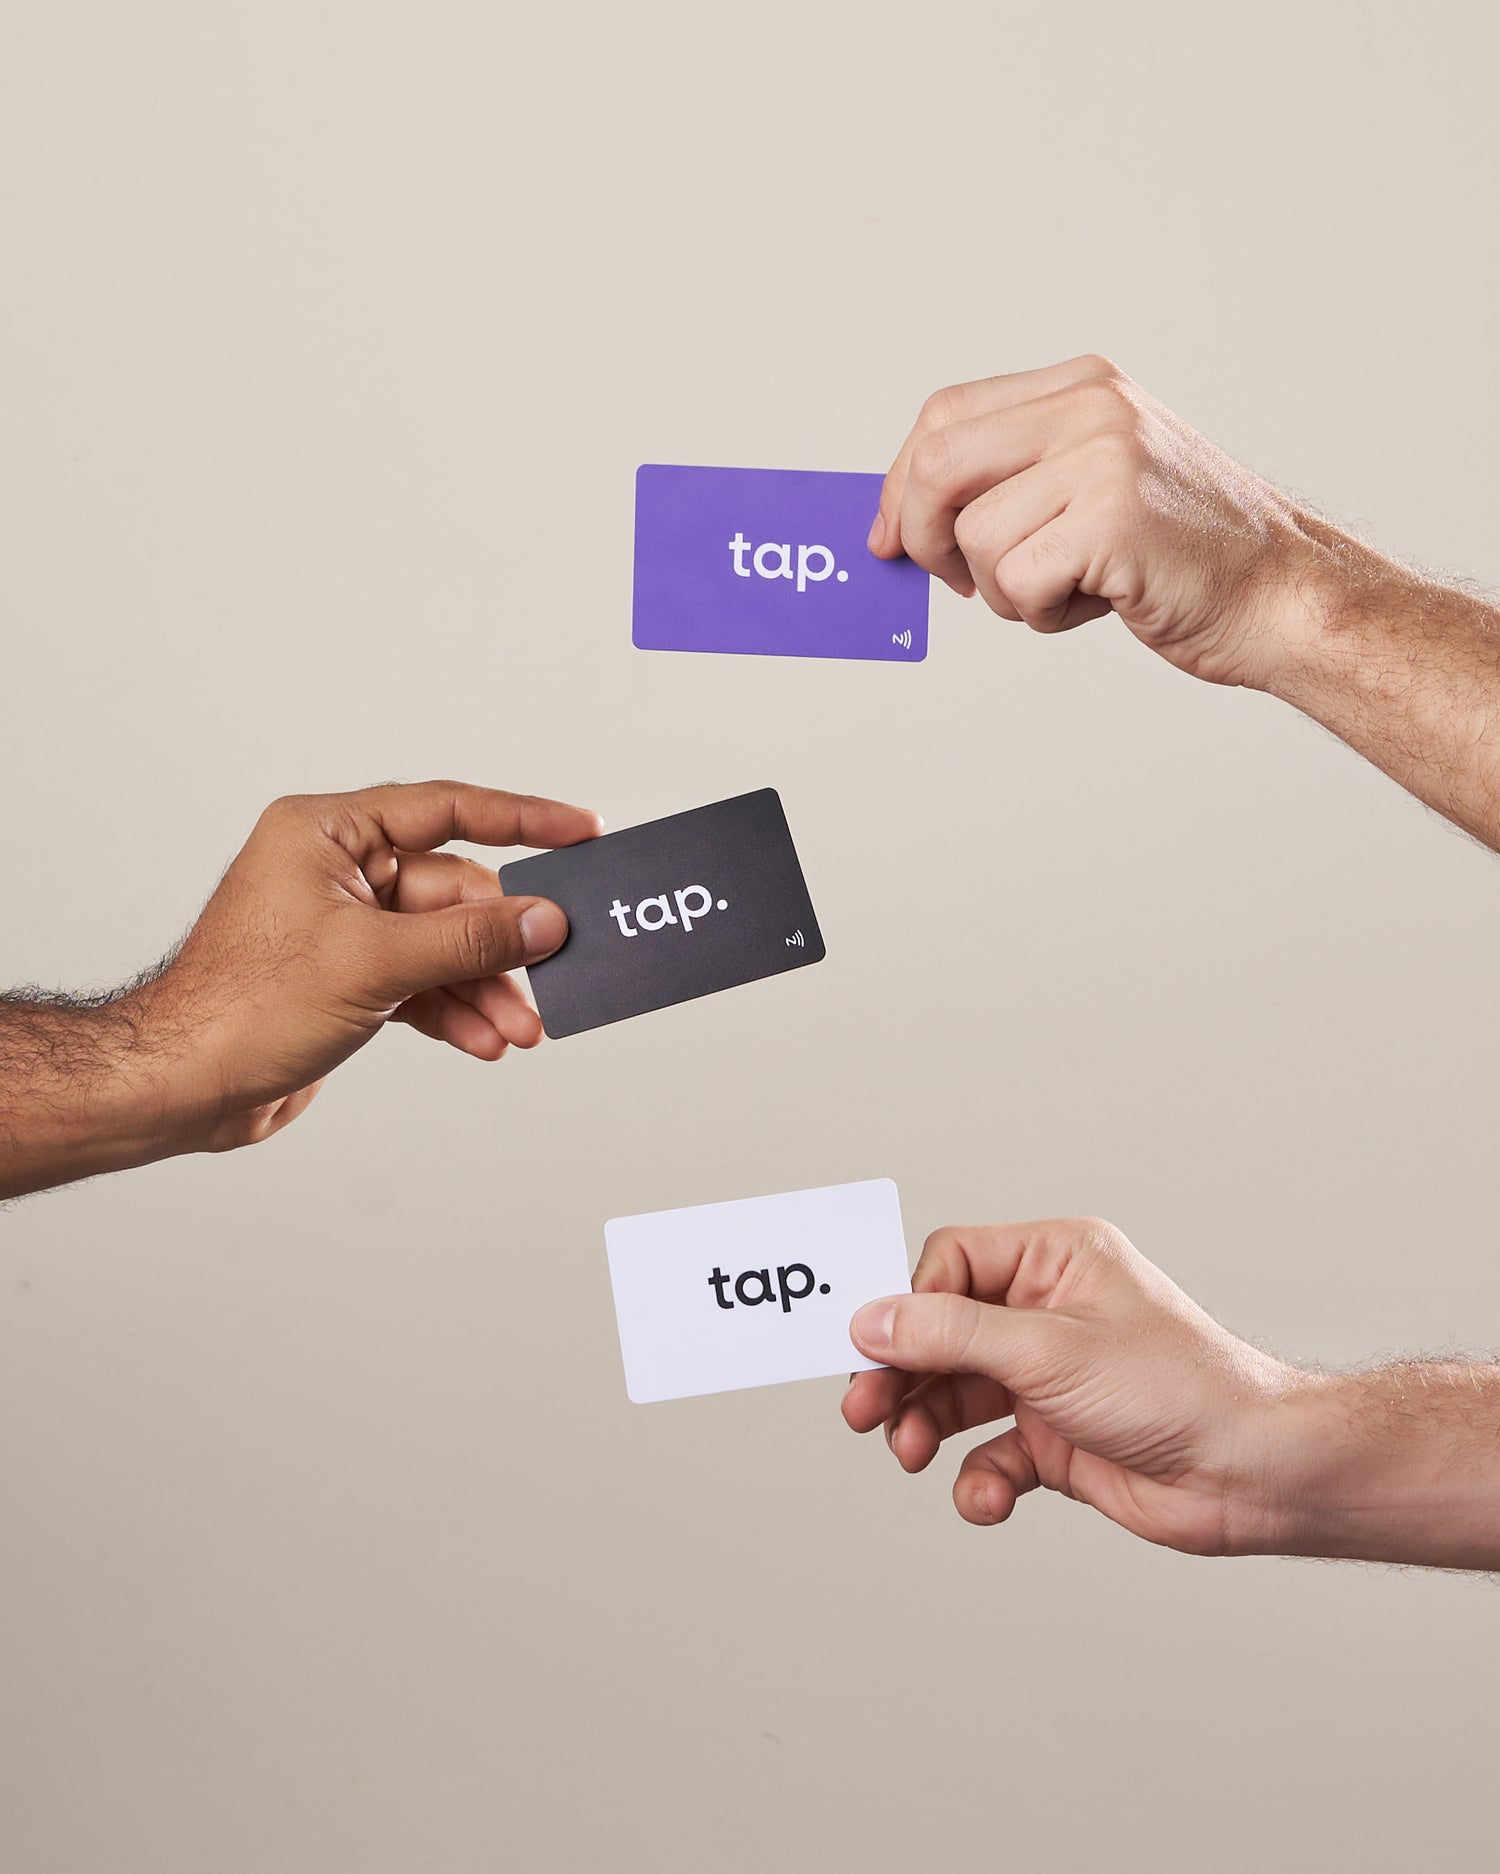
x: 343, y: 821
x: 968, y: 533
x: 932, y: 461
x: 1100, y: 1239
x: 437, y: 796
x: 933, y: 1265
x: 287, y: 808
x: 1050, y: 548
x: 478, y: 946
x: 943, y: 407
x: 1023, y: 581
x: 966, y: 1335
x: 1104, y: 403
x: 1054, y: 1248
x: 1107, y: 399
x: 941, y: 1331
x: 1036, y: 612
x: 472, y: 879
x: 1098, y: 366
x: 1115, y: 453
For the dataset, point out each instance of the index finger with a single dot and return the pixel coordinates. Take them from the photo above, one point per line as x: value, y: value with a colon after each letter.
x: 959, y: 403
x: 1019, y: 1263
x: 422, y: 814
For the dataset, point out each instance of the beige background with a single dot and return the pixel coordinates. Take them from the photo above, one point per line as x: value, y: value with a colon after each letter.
x: 330, y: 337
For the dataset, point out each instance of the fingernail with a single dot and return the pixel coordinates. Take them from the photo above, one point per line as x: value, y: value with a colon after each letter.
x: 877, y: 533
x: 872, y: 1325
x: 543, y: 927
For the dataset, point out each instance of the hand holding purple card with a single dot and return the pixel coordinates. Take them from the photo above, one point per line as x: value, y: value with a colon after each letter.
x: 770, y: 563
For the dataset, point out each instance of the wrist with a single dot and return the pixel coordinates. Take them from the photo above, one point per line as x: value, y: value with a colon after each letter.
x: 1288, y: 608
x: 1326, y: 616
x: 105, y: 1087
x: 162, y: 1103
x: 1398, y: 1465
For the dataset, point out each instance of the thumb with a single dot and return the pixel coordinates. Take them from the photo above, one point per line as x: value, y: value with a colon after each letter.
x: 955, y: 1334
x: 485, y: 937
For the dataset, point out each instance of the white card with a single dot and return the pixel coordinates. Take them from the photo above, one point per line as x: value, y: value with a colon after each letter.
x: 752, y: 1292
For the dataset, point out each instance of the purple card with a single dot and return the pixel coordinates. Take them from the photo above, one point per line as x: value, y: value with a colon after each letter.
x: 770, y: 563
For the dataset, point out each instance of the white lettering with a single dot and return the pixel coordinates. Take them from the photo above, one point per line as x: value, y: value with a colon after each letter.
x: 704, y: 905
x: 805, y: 572
x: 657, y: 923
x: 781, y: 571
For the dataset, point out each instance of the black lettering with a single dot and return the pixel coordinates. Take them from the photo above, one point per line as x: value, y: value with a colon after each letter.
x: 717, y: 1282
x: 763, y: 1276
x: 789, y: 1294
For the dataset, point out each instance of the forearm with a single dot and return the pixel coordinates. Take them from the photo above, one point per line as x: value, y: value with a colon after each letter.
x: 1403, y: 669
x: 86, y: 1086
x: 1401, y: 1464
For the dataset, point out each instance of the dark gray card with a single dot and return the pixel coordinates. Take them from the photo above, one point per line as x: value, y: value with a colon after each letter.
x: 668, y: 911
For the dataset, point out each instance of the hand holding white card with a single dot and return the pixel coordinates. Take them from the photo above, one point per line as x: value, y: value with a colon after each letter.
x: 752, y: 1292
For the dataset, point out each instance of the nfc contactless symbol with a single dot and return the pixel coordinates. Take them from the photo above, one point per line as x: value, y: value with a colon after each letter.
x: 772, y: 559
x: 903, y: 638
x: 764, y: 1291
x: 656, y: 913
x: 796, y: 941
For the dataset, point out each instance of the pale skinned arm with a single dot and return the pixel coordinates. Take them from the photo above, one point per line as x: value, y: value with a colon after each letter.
x: 1065, y: 493
x: 337, y: 917
x: 1122, y: 1393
